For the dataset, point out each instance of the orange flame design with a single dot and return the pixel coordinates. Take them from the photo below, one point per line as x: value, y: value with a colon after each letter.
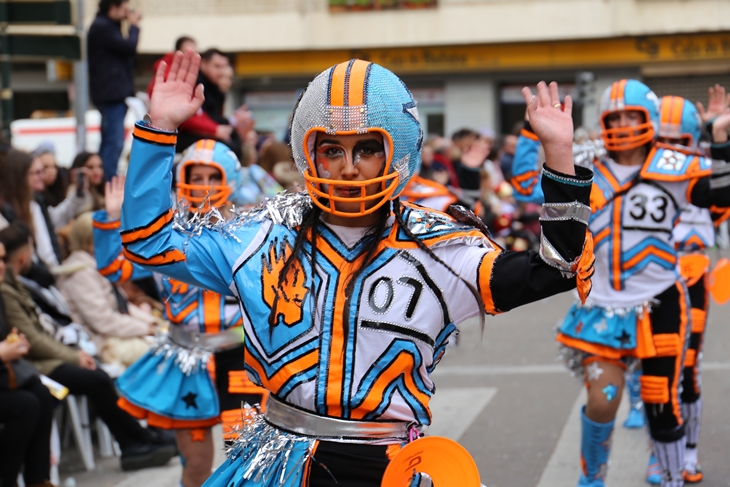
x: 286, y: 300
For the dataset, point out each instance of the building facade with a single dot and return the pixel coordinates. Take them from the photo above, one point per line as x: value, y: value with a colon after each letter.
x: 465, y: 60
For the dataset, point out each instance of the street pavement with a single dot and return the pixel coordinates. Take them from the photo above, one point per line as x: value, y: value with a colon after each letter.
x: 505, y: 397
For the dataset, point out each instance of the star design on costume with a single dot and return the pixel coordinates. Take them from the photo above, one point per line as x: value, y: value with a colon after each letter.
x: 190, y: 400
x: 610, y: 391
x: 624, y: 338
x: 594, y: 371
x: 671, y: 160
x: 600, y: 327
x: 197, y: 435
x: 579, y: 328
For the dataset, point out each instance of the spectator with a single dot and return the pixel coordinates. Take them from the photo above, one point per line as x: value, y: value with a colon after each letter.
x: 55, y: 179
x: 111, y: 74
x: 214, y: 67
x: 93, y: 169
x: 117, y: 328
x: 26, y: 409
x: 183, y: 43
x: 21, y: 185
x: 468, y: 161
x: 508, y: 153
x: 72, y: 368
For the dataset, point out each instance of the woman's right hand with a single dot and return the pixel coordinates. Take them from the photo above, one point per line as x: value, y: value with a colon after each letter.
x: 13, y: 347
x: 178, y: 97
x: 114, y: 197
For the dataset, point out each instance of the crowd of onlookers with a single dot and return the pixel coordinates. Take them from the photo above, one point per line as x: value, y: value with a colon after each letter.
x: 60, y: 318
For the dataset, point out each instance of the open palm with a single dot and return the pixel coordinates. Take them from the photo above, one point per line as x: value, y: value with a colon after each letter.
x: 178, y: 97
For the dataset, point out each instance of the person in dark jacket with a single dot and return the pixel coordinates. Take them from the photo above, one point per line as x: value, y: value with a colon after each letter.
x: 26, y: 409
x: 111, y: 74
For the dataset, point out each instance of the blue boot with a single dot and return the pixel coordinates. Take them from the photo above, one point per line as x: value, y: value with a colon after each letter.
x: 594, y: 449
x: 636, y: 412
x: 653, y: 471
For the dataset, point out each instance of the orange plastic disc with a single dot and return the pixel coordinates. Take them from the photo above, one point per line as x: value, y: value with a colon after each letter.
x: 444, y: 460
x: 720, y: 281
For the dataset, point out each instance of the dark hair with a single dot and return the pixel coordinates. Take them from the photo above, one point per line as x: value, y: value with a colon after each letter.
x: 208, y: 54
x: 105, y: 5
x: 463, y: 133
x: 14, y: 186
x: 55, y: 192
x: 309, y: 224
x: 182, y: 40
x: 15, y: 236
x: 97, y: 192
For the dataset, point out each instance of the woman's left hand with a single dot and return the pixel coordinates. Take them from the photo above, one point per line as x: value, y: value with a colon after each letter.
x: 552, y: 122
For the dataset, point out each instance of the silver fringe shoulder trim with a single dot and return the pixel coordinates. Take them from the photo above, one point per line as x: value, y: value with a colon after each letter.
x: 265, y: 452
x: 187, y: 359
x: 286, y: 208
x: 586, y: 152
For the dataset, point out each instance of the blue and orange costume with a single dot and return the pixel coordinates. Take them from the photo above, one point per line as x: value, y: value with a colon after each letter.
x: 346, y: 356
x: 193, y: 377
x: 639, y: 307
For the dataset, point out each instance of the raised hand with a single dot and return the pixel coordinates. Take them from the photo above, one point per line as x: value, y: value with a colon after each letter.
x: 178, y: 97
x: 552, y: 122
x: 114, y: 197
x: 476, y: 154
x: 720, y: 127
x: 717, y: 103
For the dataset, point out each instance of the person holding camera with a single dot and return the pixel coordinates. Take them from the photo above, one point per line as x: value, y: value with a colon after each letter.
x: 111, y: 74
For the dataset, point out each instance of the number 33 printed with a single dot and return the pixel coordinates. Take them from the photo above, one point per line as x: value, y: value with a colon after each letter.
x: 657, y: 210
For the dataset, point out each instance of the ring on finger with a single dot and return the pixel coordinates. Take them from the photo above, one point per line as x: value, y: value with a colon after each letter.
x: 557, y: 105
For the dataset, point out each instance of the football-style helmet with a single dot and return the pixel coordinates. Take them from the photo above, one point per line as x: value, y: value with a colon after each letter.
x: 679, y: 122
x: 629, y: 94
x: 210, y: 153
x: 357, y: 97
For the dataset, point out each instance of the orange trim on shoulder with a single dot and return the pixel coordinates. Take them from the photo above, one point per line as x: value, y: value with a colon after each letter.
x: 528, y: 134
x: 485, y: 278
x: 129, y: 236
x: 114, y: 225
x: 154, y: 137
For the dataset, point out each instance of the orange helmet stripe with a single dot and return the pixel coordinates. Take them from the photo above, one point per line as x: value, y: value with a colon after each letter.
x: 358, y: 72
x: 337, y: 84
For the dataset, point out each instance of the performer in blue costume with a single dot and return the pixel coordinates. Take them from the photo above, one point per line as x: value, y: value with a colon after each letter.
x: 342, y: 286
x: 171, y: 386
x: 639, y: 307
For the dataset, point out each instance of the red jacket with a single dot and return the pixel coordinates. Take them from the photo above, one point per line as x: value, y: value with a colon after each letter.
x: 200, y: 122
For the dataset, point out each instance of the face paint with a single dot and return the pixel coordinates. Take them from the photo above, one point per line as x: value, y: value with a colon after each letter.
x: 594, y: 371
x: 610, y: 391
x: 322, y: 172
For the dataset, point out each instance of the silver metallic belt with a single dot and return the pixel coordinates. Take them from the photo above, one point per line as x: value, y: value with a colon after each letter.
x: 305, y: 423
x: 211, y: 342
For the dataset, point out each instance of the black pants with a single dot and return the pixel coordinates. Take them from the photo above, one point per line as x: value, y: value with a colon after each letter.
x: 661, y: 374
x: 698, y: 298
x: 98, y: 387
x: 347, y: 465
x: 25, y: 437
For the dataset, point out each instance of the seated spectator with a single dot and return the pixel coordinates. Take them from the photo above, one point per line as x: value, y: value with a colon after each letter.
x: 21, y: 185
x: 72, y: 368
x: 91, y: 166
x: 26, y: 409
x: 55, y: 179
x: 117, y: 327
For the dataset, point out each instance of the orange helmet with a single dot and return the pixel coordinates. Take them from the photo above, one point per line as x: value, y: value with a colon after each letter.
x: 208, y: 152
x: 357, y: 97
x: 629, y: 95
x: 679, y: 121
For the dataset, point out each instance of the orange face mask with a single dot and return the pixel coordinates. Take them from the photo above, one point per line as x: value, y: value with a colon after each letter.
x: 626, y: 138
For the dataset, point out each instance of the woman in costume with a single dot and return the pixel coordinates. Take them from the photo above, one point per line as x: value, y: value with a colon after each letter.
x: 343, y: 286
x: 171, y: 386
x: 639, y: 307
